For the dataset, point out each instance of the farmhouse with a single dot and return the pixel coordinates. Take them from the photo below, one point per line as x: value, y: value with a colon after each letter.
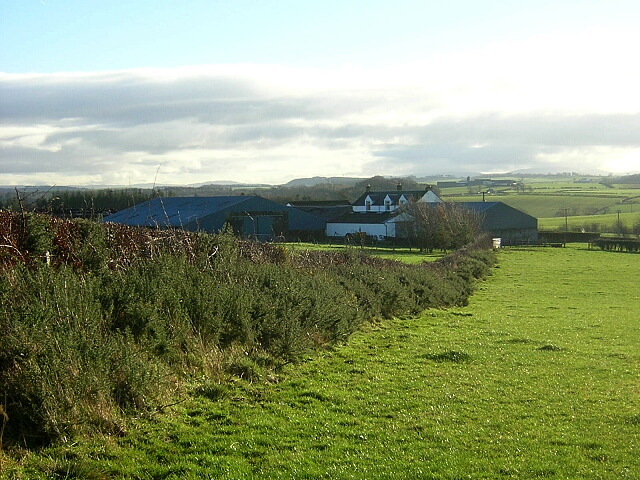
x: 250, y: 216
x: 386, y: 201
x: 377, y: 213
x: 513, y: 226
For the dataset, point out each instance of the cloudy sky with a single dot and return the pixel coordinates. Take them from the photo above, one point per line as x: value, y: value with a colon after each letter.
x: 176, y: 92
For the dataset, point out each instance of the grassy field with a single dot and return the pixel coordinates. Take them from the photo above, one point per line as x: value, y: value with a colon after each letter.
x: 402, y: 254
x: 605, y: 222
x: 541, y: 206
x: 584, y: 204
x: 545, y: 199
x: 538, y: 377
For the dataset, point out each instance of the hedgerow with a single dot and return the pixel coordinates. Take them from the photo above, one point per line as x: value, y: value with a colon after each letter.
x: 100, y: 322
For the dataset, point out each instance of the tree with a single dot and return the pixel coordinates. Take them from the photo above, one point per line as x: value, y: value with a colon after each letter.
x: 636, y: 227
x: 447, y: 226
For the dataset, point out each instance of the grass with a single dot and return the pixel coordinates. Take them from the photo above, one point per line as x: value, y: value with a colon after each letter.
x: 585, y: 204
x: 606, y: 222
x: 407, y: 255
x: 536, y: 377
x: 544, y: 199
x: 548, y: 205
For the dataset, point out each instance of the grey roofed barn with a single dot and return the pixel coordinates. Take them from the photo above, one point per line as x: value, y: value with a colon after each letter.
x: 501, y: 220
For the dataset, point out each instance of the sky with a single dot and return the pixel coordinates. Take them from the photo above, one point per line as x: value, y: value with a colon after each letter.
x: 265, y: 91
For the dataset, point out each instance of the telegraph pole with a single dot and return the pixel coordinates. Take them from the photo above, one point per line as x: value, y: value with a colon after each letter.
x: 619, y: 226
x: 566, y: 226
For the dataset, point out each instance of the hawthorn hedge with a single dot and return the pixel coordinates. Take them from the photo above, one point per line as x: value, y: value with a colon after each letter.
x: 101, y: 321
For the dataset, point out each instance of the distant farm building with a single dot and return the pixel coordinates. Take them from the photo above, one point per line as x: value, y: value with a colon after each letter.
x: 479, y: 182
x: 374, y: 214
x: 513, y: 226
x: 377, y: 213
x: 324, y: 209
x: 250, y: 216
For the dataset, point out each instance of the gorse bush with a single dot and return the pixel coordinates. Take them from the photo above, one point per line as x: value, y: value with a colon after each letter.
x: 62, y: 368
x: 100, y: 321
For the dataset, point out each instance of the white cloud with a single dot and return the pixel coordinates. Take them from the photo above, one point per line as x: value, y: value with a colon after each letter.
x: 556, y: 101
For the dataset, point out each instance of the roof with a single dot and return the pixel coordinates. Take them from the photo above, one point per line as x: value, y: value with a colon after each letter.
x: 211, y: 213
x: 174, y: 211
x: 394, y: 195
x: 485, y: 206
x: 319, y: 203
x: 326, y: 212
x: 480, y: 206
x: 499, y: 215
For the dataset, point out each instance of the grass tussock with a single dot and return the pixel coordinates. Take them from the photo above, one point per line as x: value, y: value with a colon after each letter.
x: 100, y: 322
x: 452, y: 356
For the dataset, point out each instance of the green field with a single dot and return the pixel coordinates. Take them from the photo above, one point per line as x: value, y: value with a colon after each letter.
x: 588, y: 206
x: 539, y: 376
x: 548, y: 200
x: 605, y: 222
x: 407, y: 255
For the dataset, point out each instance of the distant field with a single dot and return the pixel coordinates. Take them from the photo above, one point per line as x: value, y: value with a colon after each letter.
x: 537, y: 377
x: 583, y: 203
x: 605, y: 222
x: 543, y: 206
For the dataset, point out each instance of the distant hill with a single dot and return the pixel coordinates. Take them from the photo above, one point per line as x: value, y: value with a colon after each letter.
x: 214, y: 182
x: 37, y: 188
x: 313, y: 181
x: 555, y: 171
x: 629, y: 179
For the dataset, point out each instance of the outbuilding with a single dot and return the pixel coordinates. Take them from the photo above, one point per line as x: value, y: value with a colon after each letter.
x: 500, y: 220
x: 250, y: 216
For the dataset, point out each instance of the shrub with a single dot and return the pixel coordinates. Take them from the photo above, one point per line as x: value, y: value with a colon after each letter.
x: 121, y: 318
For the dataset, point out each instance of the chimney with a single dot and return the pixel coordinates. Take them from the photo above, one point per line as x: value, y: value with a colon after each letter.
x: 368, y: 188
x: 399, y: 187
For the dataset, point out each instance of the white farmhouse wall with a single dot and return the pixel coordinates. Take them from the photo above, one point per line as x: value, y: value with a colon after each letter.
x: 391, y: 229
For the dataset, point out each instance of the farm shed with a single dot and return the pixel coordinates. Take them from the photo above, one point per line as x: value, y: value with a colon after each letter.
x: 501, y: 220
x: 324, y: 209
x: 247, y: 215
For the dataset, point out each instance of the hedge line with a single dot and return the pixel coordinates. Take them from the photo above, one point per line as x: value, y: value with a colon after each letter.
x: 618, y: 244
x: 100, y: 322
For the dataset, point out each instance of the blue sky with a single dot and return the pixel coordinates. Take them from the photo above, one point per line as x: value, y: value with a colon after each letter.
x: 266, y: 91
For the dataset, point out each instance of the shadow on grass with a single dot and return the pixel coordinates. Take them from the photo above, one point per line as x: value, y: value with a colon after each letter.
x: 452, y: 356
x: 550, y: 348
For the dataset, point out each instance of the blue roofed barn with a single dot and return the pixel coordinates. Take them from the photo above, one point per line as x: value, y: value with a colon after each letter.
x: 247, y: 215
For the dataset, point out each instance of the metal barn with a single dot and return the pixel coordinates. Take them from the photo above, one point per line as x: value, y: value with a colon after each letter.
x: 250, y: 216
x: 513, y: 226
